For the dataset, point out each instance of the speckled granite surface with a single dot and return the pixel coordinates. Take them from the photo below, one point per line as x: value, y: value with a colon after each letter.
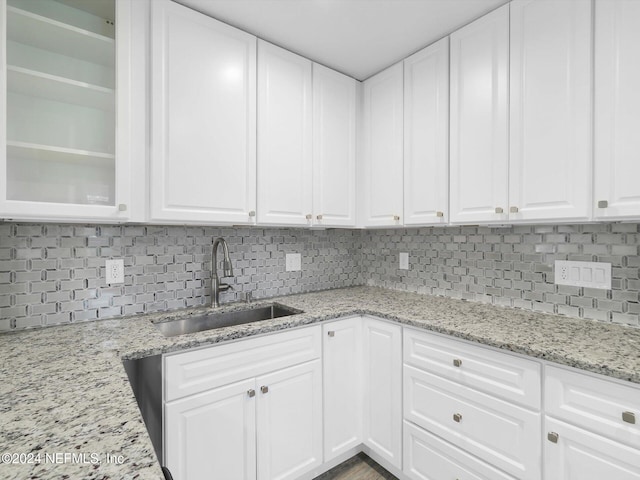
x: 64, y: 389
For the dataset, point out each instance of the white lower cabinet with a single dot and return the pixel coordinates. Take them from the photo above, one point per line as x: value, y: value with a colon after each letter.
x: 266, y: 423
x: 504, y: 434
x: 382, y: 427
x: 289, y: 421
x: 427, y: 457
x: 572, y: 453
x: 213, y: 434
x: 342, y: 392
x: 483, y: 406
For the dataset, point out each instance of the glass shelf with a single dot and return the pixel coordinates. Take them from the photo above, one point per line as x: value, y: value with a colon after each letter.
x: 38, y: 84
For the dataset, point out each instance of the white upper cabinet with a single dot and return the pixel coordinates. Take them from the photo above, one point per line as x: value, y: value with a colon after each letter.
x: 479, y: 138
x: 617, y: 109
x: 203, y: 163
x: 66, y: 100
x: 285, y: 137
x: 382, y: 162
x: 334, y: 148
x: 550, y: 110
x: 426, y: 136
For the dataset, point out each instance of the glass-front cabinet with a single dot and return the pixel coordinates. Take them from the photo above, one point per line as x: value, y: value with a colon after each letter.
x: 66, y: 110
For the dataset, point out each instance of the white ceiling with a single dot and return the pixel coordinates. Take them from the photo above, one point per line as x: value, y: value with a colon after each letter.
x: 356, y: 37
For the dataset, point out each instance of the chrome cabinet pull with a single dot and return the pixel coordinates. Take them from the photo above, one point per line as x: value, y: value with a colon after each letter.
x: 552, y: 437
x: 331, y: 333
x: 629, y: 417
x: 122, y: 207
x: 457, y: 362
x: 513, y: 210
x: 603, y: 204
x: 308, y: 216
x: 251, y: 393
x: 457, y: 417
x: 319, y: 217
x: 264, y: 389
x: 252, y: 213
x: 439, y: 214
x: 396, y: 218
x: 499, y: 210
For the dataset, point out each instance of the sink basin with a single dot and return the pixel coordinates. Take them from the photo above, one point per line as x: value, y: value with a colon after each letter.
x: 213, y: 320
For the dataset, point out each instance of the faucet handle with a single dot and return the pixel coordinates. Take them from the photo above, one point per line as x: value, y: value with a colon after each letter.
x: 223, y: 287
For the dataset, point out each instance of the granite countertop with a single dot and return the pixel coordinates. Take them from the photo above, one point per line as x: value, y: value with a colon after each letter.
x: 64, y: 391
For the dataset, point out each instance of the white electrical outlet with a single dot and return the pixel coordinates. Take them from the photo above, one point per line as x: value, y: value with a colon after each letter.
x: 404, y: 261
x: 114, y: 271
x: 583, y: 274
x: 293, y: 262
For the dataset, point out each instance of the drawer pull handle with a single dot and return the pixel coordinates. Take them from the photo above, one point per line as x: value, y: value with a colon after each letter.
x: 396, y: 218
x: 552, y: 437
x: 440, y: 214
x: 331, y: 333
x: 603, y: 204
x: 319, y: 217
x: 308, y: 216
x: 457, y: 362
x: 499, y: 210
x: 252, y: 213
x: 264, y: 389
x: 457, y: 417
x: 513, y: 210
x: 251, y: 393
x: 629, y: 417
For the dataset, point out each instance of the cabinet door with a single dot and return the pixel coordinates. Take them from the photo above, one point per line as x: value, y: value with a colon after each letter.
x: 479, y: 120
x: 203, y: 118
x: 284, y: 139
x: 382, y: 163
x: 382, y: 423
x: 289, y: 421
x: 617, y: 109
x: 550, y: 148
x: 66, y: 107
x: 342, y: 376
x: 426, y: 136
x: 580, y: 455
x: 212, y: 434
x: 334, y: 148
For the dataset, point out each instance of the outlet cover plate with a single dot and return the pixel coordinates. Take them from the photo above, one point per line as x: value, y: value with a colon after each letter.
x: 293, y: 262
x: 114, y: 271
x: 404, y: 261
x: 583, y: 274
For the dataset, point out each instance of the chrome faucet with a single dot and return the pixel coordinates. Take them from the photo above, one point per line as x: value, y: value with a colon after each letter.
x: 227, y: 271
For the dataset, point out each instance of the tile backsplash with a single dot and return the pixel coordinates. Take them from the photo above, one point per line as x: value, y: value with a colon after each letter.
x: 510, y: 266
x: 54, y: 274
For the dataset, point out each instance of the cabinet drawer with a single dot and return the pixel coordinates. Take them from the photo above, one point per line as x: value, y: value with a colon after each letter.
x: 503, y: 434
x: 506, y: 376
x: 581, y: 455
x: 599, y: 405
x: 203, y: 369
x: 426, y: 457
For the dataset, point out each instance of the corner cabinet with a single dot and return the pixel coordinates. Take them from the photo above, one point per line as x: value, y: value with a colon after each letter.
x: 203, y: 132
x: 67, y: 101
x: 426, y: 136
x: 334, y: 148
x: 284, y: 139
x: 382, y: 162
x: 382, y: 409
x: 479, y: 142
x: 617, y: 110
x: 551, y: 111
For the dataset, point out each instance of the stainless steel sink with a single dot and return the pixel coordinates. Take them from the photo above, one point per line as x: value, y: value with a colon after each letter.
x: 213, y: 320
